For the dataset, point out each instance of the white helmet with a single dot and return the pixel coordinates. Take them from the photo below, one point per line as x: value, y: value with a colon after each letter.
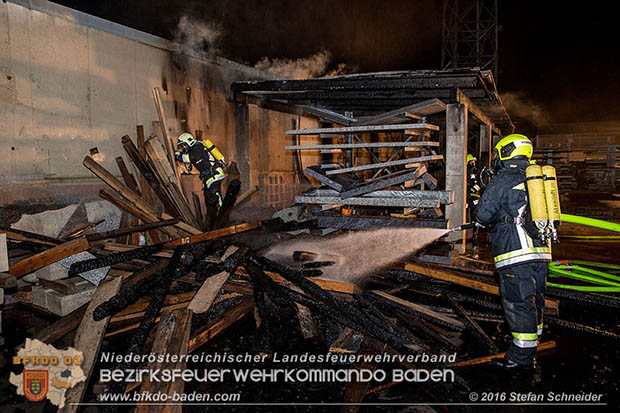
x: 187, y: 139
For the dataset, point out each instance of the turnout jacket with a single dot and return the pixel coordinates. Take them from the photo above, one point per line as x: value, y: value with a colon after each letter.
x: 203, y: 160
x: 502, y: 206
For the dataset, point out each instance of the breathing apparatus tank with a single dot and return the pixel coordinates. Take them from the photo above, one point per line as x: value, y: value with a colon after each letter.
x: 213, y: 150
x: 553, y: 200
x: 537, y: 199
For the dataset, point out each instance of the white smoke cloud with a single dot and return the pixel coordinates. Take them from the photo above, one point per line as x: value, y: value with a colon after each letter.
x: 518, y: 104
x: 303, y: 68
x: 198, y: 36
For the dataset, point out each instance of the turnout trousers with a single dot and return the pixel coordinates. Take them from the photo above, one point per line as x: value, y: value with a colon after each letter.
x: 522, y: 287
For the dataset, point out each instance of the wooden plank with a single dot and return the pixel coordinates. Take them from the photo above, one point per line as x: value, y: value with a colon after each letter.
x: 182, y: 225
x: 361, y: 145
x: 116, y: 185
x: 133, y: 210
x: 88, y: 340
x: 306, y: 324
x: 167, y: 178
x: 148, y: 178
x: 361, y: 129
x: 171, y: 337
x: 164, y: 129
x: 328, y: 285
x: 384, y: 183
x: 4, y: 253
x: 40, y: 260
x: 551, y: 305
x: 220, y: 324
x: 170, y: 299
x: 355, y: 391
x: 61, y: 286
x: 61, y: 327
x: 246, y: 195
x: 205, y: 296
x: 348, y: 341
x: 548, y: 345
x: 384, y: 164
x: 420, y: 309
x: 428, y: 107
x: 218, y: 233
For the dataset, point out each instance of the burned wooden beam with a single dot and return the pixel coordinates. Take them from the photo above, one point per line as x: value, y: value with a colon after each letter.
x: 472, y: 326
x: 355, y: 392
x: 362, y: 222
x: 551, y: 305
x: 127, y: 296
x: 582, y: 328
x: 356, y: 318
x: 113, y: 259
x: 138, y: 339
x: 171, y: 337
x: 416, y: 309
x: 149, y: 250
x: 218, y: 325
x: 130, y: 230
x: 232, y: 191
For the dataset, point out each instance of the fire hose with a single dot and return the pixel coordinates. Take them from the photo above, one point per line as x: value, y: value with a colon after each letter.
x: 588, y: 271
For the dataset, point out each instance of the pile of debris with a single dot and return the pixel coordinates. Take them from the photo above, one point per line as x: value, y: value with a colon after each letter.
x: 177, y: 295
x: 169, y: 281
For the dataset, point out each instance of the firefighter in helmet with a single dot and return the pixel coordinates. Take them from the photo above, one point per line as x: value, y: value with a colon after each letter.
x: 520, y: 256
x: 209, y: 162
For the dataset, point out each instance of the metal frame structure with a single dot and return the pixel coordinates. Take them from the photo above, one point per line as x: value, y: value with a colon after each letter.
x: 470, y: 35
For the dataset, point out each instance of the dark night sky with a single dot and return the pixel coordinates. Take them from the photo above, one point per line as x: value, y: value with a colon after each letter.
x: 561, y: 59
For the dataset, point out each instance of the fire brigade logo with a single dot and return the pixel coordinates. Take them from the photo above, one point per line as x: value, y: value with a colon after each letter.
x: 35, y: 384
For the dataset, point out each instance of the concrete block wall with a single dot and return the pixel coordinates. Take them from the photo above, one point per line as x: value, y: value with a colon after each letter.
x: 70, y: 82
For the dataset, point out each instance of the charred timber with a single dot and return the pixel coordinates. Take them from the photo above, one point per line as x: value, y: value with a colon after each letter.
x: 113, y: 259
x: 472, y: 326
x: 338, y: 306
x: 148, y: 321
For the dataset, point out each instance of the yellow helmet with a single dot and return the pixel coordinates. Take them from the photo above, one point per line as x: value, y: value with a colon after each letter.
x: 514, y: 145
x: 470, y: 158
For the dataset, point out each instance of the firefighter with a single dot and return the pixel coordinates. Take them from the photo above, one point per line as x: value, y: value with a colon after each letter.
x: 210, y: 164
x: 520, y: 258
x: 473, y: 187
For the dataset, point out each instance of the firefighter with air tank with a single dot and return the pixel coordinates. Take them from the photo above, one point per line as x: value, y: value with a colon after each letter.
x: 521, y: 206
x: 209, y: 162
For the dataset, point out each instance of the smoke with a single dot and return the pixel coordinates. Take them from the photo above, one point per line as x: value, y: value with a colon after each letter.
x: 519, y: 105
x: 198, y: 36
x: 359, y: 254
x: 304, y: 68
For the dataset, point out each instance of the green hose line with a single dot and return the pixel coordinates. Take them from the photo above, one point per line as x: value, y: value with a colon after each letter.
x: 596, y: 264
x: 603, y: 281
x: 591, y: 222
x: 587, y: 278
x: 584, y: 288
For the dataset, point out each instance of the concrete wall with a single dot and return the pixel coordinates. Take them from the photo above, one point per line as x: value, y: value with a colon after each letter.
x: 70, y: 82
